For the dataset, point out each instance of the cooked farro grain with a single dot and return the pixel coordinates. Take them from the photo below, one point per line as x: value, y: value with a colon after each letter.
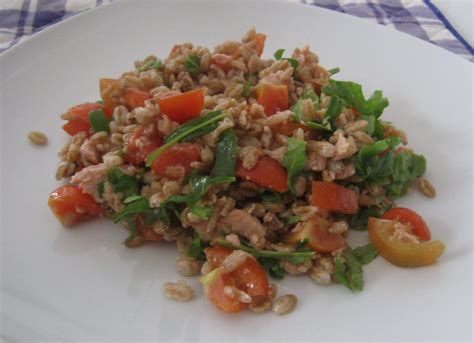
x: 250, y: 164
x: 179, y: 291
x: 38, y: 138
x: 284, y: 304
x: 426, y: 188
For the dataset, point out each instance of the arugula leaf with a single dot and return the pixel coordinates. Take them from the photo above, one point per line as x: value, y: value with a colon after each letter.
x: 131, y: 198
x: 272, y: 197
x: 151, y: 65
x: 291, y: 220
x: 279, y: 56
x: 349, y: 273
x: 100, y: 102
x: 359, y: 221
x: 319, y: 126
x: 226, y: 154
x: 334, y: 71
x: 196, y: 249
x: 200, y: 185
x: 193, y: 65
x: 246, y: 91
x: 308, y: 94
x: 364, y: 254
x: 407, y: 166
x: 352, y: 96
x: 100, y: 189
x: 121, y: 182
x: 272, y: 266
x: 294, y: 160
x: 374, y: 163
x: 98, y: 121
x: 336, y: 105
x: 139, y: 206
x: 302, y: 245
x: 190, y: 130
x: 296, y: 257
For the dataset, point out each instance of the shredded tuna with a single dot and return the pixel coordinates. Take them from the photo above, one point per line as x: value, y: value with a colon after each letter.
x: 244, y: 224
x: 88, y: 179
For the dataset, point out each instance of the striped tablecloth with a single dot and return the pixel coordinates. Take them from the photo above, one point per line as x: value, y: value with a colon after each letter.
x: 19, y: 19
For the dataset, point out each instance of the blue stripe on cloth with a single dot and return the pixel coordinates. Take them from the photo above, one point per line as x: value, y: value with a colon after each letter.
x: 21, y: 22
x: 9, y: 18
x: 448, y: 25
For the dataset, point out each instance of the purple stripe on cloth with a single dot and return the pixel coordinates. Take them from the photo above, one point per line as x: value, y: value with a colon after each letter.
x: 10, y: 18
x: 21, y: 22
x: 378, y: 14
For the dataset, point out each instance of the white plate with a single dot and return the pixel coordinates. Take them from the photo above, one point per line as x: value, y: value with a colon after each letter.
x: 84, y: 284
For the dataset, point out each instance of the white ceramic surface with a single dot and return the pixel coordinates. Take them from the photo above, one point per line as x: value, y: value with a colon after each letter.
x: 83, y: 284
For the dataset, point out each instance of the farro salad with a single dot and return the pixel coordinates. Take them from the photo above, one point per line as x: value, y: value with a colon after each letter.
x: 255, y: 167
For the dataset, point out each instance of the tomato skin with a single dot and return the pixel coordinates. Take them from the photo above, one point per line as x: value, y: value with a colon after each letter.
x: 104, y: 83
x: 272, y: 97
x: 136, y: 154
x: 267, y: 173
x: 135, y: 98
x: 260, y: 43
x: 249, y: 277
x: 333, y: 197
x: 75, y: 126
x: 146, y: 231
x: 214, y: 284
x: 402, y: 254
x: 319, y: 239
x: 178, y: 155
x: 70, y: 205
x: 182, y: 107
x: 411, y: 218
x: 80, y: 117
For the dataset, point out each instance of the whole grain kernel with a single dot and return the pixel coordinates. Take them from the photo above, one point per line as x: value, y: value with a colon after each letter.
x: 284, y: 304
x: 38, y: 138
x: 426, y: 188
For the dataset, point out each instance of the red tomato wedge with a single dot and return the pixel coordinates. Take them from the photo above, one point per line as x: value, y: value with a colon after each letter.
x: 333, y: 197
x: 108, y: 101
x: 135, y: 98
x: 182, y: 107
x: 273, y: 98
x: 70, y: 205
x: 80, y: 117
x: 267, y: 173
x: 410, y: 218
x: 146, y: 231
x: 260, y: 42
x: 178, y: 155
x: 319, y: 239
x: 249, y: 277
x: 135, y: 152
x: 75, y: 126
x: 215, y: 283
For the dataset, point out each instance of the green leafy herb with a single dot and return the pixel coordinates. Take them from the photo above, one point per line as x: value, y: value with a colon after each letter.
x: 349, y: 271
x: 131, y: 198
x: 334, y: 71
x: 200, y: 185
x: 193, y: 65
x: 246, y: 91
x: 279, y: 56
x: 359, y: 221
x: 121, y: 182
x: 352, y: 96
x: 302, y: 245
x: 294, y: 160
x: 272, y: 266
x: 296, y: 257
x: 151, y: 65
x: 291, y: 220
x: 226, y: 154
x: 271, y: 197
x: 319, y: 126
x: 98, y: 121
x: 196, y: 249
x: 190, y: 130
x: 407, y: 166
x: 336, y: 105
x: 99, y: 102
x: 100, y: 189
x: 139, y: 206
x: 308, y: 94
x: 374, y: 162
